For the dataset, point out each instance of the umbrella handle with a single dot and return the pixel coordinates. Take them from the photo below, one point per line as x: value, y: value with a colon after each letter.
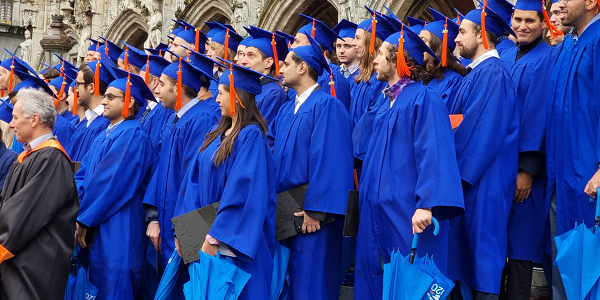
x: 597, y: 203
x: 436, y: 230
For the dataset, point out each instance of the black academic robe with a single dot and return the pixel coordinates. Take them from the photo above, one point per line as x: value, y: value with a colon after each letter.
x: 38, y: 210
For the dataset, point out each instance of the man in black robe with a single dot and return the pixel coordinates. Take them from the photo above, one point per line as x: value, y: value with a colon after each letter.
x: 38, y: 206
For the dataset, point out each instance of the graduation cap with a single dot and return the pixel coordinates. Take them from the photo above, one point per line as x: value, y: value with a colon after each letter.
x: 203, y: 63
x: 184, y: 73
x: 133, y: 86
x: 14, y: 64
x: 133, y: 56
x: 289, y: 38
x: 270, y: 44
x: 180, y: 27
x: 379, y: 25
x: 320, y: 32
x: 445, y: 30
x: 193, y: 35
x: 154, y: 65
x: 501, y: 7
x: 494, y: 23
x: 410, y: 41
x: 31, y: 81
x: 95, y: 45
x: 158, y: 52
x: 227, y: 37
x: 61, y: 84
x: 111, y: 50
x: 391, y: 13
x: 103, y: 71
x: 415, y: 24
x: 312, y: 56
x: 247, y: 39
x: 244, y: 79
x: 215, y: 27
x: 345, y: 29
x: 66, y: 66
x: 6, y: 109
x: 459, y: 16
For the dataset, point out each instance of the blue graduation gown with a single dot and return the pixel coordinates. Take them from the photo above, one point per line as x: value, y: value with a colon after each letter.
x: 270, y: 100
x: 84, y: 135
x: 410, y: 164
x: 179, y: 144
x: 313, y: 146
x: 573, y: 126
x: 245, y: 184
x: 213, y: 103
x: 486, y: 148
x: 363, y: 95
x: 111, y: 182
x: 363, y: 131
x: 16, y: 145
x: 154, y: 123
x: 527, y: 219
x: 447, y: 87
x: 342, y: 86
x: 504, y: 43
x: 7, y: 157
x: 63, y: 130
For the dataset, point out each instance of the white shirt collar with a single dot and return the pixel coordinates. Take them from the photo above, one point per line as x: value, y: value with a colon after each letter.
x: 489, y: 54
x: 301, y: 98
x: 36, y: 142
x: 352, y: 68
x: 187, y: 107
x: 112, y: 127
x: 575, y: 35
x: 152, y: 105
x: 91, y: 115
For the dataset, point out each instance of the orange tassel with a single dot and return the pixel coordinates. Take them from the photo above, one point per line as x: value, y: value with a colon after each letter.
x: 106, y: 48
x: 275, y: 56
x: 197, y: 39
x: 126, y: 59
x: 62, y: 68
x: 231, y: 93
x: 554, y: 32
x: 75, y: 95
x: 401, y: 66
x: 125, y: 110
x: 373, y: 36
x: 56, y: 100
x: 332, y: 86
x: 160, y: 52
x: 147, y: 75
x: 62, y: 90
x: 12, y: 75
x: 312, y: 31
x: 458, y: 19
x: 97, y: 46
x: 179, y: 88
x: 226, y: 44
x: 483, y: 32
x: 445, y: 45
x: 97, y: 79
x: 1, y: 93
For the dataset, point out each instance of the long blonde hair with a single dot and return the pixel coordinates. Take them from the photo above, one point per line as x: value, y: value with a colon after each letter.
x: 367, y: 67
x: 6, y: 73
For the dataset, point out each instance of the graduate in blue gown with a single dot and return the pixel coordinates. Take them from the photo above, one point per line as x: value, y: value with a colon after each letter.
x: 221, y: 34
x: 346, y: 51
x: 529, y: 210
x: 181, y: 139
x: 412, y: 143
x: 111, y: 182
x: 447, y: 74
x: 333, y: 77
x: 486, y: 147
x: 7, y: 156
x: 63, y: 129
x: 312, y: 146
x: 260, y: 46
x: 236, y: 162
x: 505, y: 10
x: 90, y: 96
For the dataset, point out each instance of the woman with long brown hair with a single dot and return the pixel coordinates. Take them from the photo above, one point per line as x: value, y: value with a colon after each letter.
x: 235, y: 166
x: 446, y: 75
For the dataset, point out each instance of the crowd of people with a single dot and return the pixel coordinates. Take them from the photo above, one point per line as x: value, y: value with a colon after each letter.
x: 472, y: 119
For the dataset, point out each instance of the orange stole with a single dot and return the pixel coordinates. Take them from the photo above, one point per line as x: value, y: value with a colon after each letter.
x: 45, y: 144
x: 455, y: 120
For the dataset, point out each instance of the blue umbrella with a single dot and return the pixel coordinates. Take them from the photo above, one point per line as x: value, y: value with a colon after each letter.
x: 280, y: 271
x: 412, y: 277
x: 169, y: 278
x: 597, y: 209
x: 214, y: 278
x: 79, y: 286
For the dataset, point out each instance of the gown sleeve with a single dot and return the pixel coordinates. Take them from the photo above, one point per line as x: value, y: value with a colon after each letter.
x: 29, y: 210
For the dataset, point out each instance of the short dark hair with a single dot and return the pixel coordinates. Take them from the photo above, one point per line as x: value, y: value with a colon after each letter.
x: 51, y: 73
x: 492, y: 38
x: 417, y: 71
x: 311, y: 72
x: 187, y: 91
x: 88, y: 77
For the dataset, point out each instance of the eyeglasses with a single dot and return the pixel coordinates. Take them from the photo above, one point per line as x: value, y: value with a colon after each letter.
x: 111, y: 97
x: 78, y: 83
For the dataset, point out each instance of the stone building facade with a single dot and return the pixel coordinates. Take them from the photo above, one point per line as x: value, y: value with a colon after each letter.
x: 145, y: 23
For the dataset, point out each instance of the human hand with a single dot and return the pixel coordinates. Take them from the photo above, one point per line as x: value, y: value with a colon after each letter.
x: 310, y: 224
x: 153, y: 232
x: 421, y: 219
x: 523, y: 189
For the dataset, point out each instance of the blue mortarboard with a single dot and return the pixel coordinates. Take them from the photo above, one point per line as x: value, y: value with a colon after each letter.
x: 31, y: 81
x: 212, y: 29
x: 191, y: 34
x: 20, y: 64
x: 460, y: 16
x: 437, y: 28
x: 413, y: 44
x: 6, y: 109
x: 287, y: 37
x: 244, y: 79
x: 533, y: 5
x: 158, y: 52
x: 67, y: 64
x: 114, y: 51
x: 312, y: 56
x: 138, y: 89
x: 95, y: 45
x: 345, y: 29
x: 189, y: 74
x: 501, y: 7
x: 203, y: 63
x: 494, y: 23
x: 262, y: 40
x: 322, y: 33
x: 135, y: 56
x: 225, y: 32
x: 157, y: 65
x: 180, y: 27
x: 247, y: 39
x: 58, y: 81
x: 415, y: 24
x: 106, y: 72
x: 390, y: 12
x: 162, y: 46
x: 383, y: 28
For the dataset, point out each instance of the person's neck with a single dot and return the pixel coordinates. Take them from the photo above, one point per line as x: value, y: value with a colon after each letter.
x: 81, y: 112
x: 304, y: 85
x: 584, y: 21
x: 62, y: 105
x: 529, y: 46
x: 184, y: 102
x: 38, y: 133
x: 95, y: 102
x: 117, y: 120
x: 394, y: 79
x: 233, y: 122
x: 350, y: 63
x: 481, y: 51
x: 204, y: 94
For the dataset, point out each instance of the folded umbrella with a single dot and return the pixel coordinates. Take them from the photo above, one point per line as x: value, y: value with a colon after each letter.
x: 169, y: 278
x: 280, y: 277
x: 214, y: 278
x: 79, y: 286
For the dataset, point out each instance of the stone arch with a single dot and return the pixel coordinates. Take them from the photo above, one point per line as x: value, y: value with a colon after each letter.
x: 197, y: 13
x: 73, y: 54
x: 283, y: 15
x: 129, y: 27
x: 418, y: 8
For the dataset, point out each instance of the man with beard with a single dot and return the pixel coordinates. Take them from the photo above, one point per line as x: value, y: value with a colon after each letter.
x: 572, y: 124
x: 486, y: 148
